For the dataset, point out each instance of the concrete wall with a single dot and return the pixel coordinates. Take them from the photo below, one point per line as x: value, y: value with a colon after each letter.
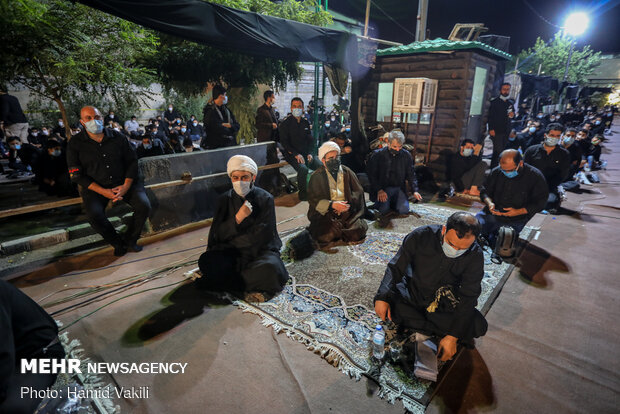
x: 186, y: 203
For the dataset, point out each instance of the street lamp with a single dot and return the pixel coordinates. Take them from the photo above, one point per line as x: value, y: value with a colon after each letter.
x: 574, y: 25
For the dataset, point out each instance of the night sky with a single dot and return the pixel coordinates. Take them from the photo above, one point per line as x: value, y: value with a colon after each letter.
x: 508, y: 18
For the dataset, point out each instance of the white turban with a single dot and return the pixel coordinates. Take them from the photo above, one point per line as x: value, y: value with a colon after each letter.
x: 328, y: 146
x: 241, y: 163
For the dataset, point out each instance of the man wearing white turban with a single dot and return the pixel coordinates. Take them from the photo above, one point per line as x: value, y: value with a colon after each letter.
x: 243, y: 252
x: 336, y: 200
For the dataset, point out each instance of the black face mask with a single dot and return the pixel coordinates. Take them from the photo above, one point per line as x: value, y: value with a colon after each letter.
x: 333, y: 166
x: 393, y: 152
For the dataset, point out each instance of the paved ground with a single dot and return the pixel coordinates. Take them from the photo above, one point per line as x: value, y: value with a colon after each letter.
x: 551, y: 345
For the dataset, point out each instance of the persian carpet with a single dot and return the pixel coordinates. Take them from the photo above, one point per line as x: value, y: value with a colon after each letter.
x: 328, y: 303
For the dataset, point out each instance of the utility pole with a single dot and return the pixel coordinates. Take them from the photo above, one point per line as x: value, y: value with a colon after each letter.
x: 367, y: 16
x: 420, y: 30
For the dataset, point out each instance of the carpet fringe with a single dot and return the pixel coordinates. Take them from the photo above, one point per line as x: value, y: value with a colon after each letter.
x: 332, y: 355
x: 73, y: 349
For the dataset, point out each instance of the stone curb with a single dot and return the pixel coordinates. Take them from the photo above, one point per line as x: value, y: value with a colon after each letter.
x: 50, y: 238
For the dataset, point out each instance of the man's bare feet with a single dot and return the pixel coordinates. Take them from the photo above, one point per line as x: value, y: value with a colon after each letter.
x: 474, y: 191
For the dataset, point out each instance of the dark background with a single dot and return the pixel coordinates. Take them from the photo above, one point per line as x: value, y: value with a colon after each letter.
x: 508, y: 18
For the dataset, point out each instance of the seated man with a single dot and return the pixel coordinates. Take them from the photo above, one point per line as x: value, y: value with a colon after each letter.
x: 513, y: 193
x: 297, y: 144
x: 336, y: 200
x: 468, y: 168
x: 243, y: 253
x: 149, y: 148
x: 389, y: 170
x: 552, y: 160
x: 52, y: 173
x: 23, y: 158
x: 133, y: 127
x: 188, y: 145
x: 28, y: 332
x: 431, y: 286
x: 571, y: 182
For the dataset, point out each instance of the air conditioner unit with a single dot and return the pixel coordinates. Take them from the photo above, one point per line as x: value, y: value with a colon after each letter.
x: 414, y: 95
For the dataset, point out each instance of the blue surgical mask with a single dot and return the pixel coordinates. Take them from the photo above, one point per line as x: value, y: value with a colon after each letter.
x: 94, y: 126
x: 532, y: 130
x: 327, y: 124
x: 195, y: 123
x: 348, y: 129
x: 568, y: 141
x: 18, y: 147
x: 511, y: 138
x: 511, y: 174
x: 467, y: 152
x: 297, y: 112
x: 539, y: 116
x: 56, y: 153
x: 597, y: 122
x: 183, y: 129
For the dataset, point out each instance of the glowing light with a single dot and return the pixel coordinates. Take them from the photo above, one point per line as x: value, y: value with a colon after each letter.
x: 576, y: 23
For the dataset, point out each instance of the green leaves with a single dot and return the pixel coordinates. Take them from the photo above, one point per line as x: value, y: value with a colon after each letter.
x: 553, y: 58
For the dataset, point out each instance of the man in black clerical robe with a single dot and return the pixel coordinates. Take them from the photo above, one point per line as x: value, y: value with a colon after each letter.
x: 336, y: 200
x: 432, y: 284
x: 243, y: 251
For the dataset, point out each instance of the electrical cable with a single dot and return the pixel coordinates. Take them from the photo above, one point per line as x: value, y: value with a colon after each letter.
x: 390, y: 17
x: 540, y: 16
x: 118, y: 299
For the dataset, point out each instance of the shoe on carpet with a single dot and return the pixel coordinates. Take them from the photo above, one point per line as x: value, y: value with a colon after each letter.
x: 134, y: 247
x: 254, y: 297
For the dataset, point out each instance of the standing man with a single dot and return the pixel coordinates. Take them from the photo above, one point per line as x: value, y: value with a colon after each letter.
x: 219, y: 121
x: 267, y: 130
x: 431, y: 286
x: 104, y: 165
x: 499, y: 121
x: 243, y: 252
x: 297, y: 143
x: 15, y: 122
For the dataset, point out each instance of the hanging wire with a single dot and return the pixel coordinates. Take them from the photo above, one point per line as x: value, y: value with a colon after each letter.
x: 540, y: 16
x: 390, y: 17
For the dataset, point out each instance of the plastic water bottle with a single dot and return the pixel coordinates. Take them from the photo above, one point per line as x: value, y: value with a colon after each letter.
x: 378, y: 343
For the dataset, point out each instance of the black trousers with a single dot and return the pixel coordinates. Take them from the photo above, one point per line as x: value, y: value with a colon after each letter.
x: 437, y: 323
x: 95, y: 204
x: 500, y: 140
x: 228, y: 270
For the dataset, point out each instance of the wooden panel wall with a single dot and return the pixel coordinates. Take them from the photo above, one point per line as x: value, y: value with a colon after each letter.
x: 455, y: 73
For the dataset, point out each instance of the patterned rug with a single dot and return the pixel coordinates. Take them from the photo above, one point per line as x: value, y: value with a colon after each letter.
x: 327, y: 304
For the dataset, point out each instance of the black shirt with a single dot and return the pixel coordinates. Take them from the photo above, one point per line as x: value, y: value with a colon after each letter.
x: 296, y: 137
x: 387, y: 170
x: 107, y: 163
x: 218, y: 135
x: 11, y: 111
x: 420, y: 267
x: 498, y: 115
x: 460, y: 165
x: 527, y: 190
x: 554, y: 166
x: 256, y: 234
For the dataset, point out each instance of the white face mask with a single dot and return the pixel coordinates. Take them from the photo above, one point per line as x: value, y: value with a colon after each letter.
x: 242, y: 188
x: 225, y: 100
x: 450, y: 251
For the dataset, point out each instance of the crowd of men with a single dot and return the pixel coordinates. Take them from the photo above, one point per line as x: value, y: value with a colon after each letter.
x: 430, y: 287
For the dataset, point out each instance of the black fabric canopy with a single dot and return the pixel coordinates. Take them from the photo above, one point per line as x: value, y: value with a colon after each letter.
x: 237, y: 30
